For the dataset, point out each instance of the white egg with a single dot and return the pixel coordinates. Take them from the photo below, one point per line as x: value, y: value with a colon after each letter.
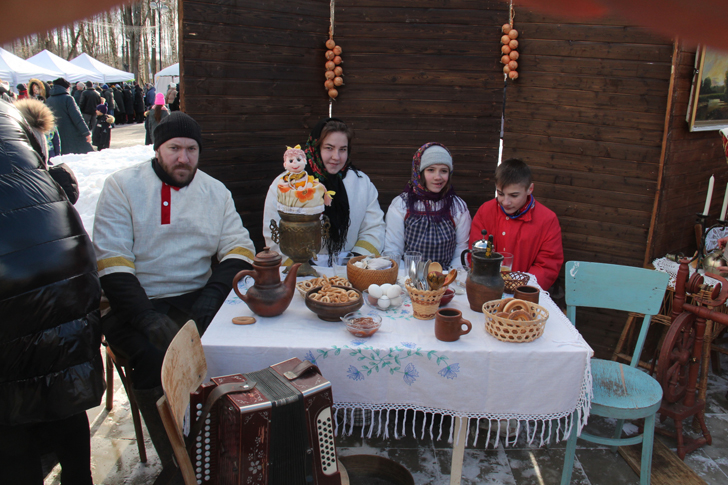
x: 376, y: 291
x: 396, y: 301
x: 394, y: 291
x: 383, y: 302
x: 385, y: 287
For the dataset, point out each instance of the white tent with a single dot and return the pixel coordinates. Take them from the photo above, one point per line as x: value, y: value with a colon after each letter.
x: 165, y: 77
x: 72, y: 73
x: 111, y: 74
x: 15, y: 70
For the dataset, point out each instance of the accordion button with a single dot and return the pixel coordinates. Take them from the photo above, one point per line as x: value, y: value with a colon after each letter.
x: 199, y: 405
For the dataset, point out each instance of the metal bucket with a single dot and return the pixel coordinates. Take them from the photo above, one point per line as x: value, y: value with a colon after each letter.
x: 374, y: 470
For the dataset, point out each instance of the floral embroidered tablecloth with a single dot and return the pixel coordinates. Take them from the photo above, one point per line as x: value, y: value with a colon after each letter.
x: 534, y: 386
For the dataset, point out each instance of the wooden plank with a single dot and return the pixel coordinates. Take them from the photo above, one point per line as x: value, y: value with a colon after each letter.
x: 607, y: 199
x: 587, y: 164
x: 312, y: 8
x: 482, y: 29
x: 593, y: 33
x: 239, y: 70
x: 601, y: 229
x: 596, y: 50
x: 481, y: 80
x: 470, y: 4
x: 586, y: 148
x: 233, y: 51
x: 393, y: 14
x: 242, y: 35
x: 483, y: 63
x: 245, y: 16
x: 594, y: 67
x: 649, y: 138
x: 596, y: 212
x: 607, y: 84
x: 667, y: 467
x: 589, y: 99
x: 597, y: 181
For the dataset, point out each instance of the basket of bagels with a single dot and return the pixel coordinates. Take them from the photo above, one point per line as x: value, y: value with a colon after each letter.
x: 512, y: 320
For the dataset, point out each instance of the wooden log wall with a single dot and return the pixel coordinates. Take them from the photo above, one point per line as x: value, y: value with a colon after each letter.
x: 417, y: 71
x: 690, y: 159
x: 252, y: 77
x: 587, y: 114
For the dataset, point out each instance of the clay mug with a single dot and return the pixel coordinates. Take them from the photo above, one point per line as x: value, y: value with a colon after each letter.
x: 527, y: 293
x: 449, y: 325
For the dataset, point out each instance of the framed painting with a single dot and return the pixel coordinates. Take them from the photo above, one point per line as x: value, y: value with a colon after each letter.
x: 708, y: 107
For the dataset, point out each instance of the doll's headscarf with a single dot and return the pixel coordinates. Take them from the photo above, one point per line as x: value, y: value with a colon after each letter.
x: 416, y: 190
x: 338, y: 211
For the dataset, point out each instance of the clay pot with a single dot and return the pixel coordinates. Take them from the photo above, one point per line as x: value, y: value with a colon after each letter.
x: 269, y: 296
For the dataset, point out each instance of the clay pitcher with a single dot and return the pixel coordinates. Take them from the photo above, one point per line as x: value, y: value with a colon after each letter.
x: 269, y: 296
x: 484, y: 282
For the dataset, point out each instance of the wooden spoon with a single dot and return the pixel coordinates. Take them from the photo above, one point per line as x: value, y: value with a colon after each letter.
x: 450, y: 277
x: 435, y: 279
x: 434, y: 266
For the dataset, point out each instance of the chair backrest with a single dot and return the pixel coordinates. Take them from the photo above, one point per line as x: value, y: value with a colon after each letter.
x: 183, y: 370
x: 615, y: 287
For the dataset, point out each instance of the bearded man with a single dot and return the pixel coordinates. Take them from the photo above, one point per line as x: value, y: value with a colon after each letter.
x: 158, y: 226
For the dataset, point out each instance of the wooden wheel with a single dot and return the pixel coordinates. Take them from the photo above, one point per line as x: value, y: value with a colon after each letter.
x: 676, y: 356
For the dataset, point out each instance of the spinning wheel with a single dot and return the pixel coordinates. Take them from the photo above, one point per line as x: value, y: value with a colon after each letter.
x: 676, y: 357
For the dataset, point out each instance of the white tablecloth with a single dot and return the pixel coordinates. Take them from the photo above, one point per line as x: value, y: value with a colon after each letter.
x: 404, y: 367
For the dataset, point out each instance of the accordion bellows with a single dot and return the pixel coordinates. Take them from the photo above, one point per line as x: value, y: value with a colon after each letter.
x: 279, y: 433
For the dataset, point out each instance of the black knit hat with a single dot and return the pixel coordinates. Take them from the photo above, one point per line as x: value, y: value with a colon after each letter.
x: 177, y: 125
x: 62, y: 82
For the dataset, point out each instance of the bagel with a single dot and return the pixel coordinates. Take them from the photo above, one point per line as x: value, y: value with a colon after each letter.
x: 514, y: 305
x: 502, y: 314
x: 503, y: 303
x: 520, y: 316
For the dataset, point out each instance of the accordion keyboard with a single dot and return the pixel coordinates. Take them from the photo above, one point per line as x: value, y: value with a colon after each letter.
x: 325, y: 430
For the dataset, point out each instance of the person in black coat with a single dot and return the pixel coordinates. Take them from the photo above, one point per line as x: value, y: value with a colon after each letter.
x: 174, y: 105
x: 129, y: 104
x: 75, y: 135
x: 108, y: 95
x: 138, y: 103
x: 120, y: 113
x: 89, y: 100
x: 51, y: 369
x: 102, y: 132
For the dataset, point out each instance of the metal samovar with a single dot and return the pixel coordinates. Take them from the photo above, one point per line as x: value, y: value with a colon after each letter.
x: 299, y: 237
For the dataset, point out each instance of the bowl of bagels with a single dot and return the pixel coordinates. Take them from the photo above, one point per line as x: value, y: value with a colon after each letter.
x: 513, y: 320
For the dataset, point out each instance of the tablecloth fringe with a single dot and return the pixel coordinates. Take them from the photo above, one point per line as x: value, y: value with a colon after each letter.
x: 374, y: 420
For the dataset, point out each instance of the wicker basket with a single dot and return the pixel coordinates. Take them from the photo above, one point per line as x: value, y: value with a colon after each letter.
x: 507, y: 330
x: 362, y: 278
x: 424, y: 303
x: 513, y: 280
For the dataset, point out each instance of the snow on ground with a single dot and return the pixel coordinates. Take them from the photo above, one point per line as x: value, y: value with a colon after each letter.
x: 92, y: 169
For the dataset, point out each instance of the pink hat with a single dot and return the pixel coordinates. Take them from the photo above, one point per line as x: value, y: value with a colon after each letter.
x: 159, y: 99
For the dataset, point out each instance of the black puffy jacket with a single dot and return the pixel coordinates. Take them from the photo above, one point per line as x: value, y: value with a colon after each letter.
x: 50, y: 359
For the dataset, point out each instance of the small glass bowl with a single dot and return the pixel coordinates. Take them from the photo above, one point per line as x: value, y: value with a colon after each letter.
x: 361, y: 324
x: 373, y: 302
x: 447, y: 297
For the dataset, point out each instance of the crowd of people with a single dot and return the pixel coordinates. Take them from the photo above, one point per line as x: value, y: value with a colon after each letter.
x: 154, y: 245
x: 86, y: 112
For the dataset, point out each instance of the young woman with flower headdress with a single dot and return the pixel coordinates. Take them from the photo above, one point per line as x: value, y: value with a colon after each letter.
x: 428, y: 217
x: 357, y: 221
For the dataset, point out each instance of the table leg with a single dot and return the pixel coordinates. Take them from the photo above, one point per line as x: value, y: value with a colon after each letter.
x: 458, y: 451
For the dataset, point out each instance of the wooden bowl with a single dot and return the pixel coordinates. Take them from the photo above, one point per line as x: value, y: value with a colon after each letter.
x: 332, y: 312
x: 362, y: 278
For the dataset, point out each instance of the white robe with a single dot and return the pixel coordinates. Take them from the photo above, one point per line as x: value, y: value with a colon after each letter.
x: 168, y: 259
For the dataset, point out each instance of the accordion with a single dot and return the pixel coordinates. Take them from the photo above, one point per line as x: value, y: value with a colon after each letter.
x: 279, y: 431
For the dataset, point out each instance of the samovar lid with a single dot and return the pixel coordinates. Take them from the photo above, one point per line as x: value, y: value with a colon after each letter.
x: 267, y: 257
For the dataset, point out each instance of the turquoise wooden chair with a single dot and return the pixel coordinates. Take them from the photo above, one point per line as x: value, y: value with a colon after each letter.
x: 620, y: 391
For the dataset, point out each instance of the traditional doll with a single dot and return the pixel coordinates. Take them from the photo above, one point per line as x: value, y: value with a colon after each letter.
x: 300, y: 192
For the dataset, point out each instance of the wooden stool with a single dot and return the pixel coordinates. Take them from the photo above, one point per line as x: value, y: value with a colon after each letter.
x: 122, y: 366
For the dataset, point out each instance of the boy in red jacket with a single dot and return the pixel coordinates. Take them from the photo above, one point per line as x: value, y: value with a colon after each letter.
x: 520, y: 225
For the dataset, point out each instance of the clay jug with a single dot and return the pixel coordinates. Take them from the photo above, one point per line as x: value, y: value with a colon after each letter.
x: 484, y: 282
x: 269, y: 296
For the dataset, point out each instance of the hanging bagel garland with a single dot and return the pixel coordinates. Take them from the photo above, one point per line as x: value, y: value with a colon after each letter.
x: 509, y: 52
x: 334, y: 72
